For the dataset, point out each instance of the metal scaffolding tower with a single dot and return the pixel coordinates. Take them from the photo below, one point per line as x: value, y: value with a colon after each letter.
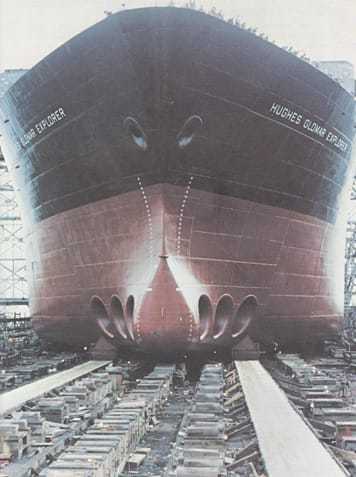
x: 13, y: 283
x: 350, y: 264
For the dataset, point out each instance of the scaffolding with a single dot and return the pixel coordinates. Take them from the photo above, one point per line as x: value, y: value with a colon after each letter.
x: 15, y: 332
x: 350, y: 265
x: 13, y: 282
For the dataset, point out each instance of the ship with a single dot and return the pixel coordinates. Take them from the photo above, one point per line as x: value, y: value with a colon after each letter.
x: 181, y: 182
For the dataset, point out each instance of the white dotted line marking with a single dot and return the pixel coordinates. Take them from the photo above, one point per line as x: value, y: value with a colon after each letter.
x: 190, y: 333
x: 181, y: 213
x: 138, y: 329
x: 149, y: 215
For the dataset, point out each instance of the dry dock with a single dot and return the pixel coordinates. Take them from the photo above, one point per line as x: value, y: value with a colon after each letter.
x: 288, y: 446
x: 11, y: 400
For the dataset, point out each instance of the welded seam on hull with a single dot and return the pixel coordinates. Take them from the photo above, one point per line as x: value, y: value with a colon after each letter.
x: 181, y: 213
x: 244, y: 262
x: 298, y: 295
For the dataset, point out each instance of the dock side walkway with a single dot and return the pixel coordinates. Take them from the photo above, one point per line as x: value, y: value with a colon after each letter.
x: 11, y: 400
x: 288, y: 446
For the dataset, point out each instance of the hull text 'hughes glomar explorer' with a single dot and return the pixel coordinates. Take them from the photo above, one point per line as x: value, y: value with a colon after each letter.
x: 181, y: 180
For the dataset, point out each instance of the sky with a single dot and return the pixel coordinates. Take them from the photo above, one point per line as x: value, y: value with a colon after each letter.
x: 323, y: 29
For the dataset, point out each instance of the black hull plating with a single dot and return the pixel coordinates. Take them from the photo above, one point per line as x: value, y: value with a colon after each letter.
x: 162, y: 66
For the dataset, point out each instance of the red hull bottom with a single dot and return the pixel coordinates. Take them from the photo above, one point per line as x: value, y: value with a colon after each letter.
x: 169, y: 270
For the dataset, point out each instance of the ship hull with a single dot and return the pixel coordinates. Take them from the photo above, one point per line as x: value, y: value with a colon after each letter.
x: 142, y: 245
x: 181, y: 182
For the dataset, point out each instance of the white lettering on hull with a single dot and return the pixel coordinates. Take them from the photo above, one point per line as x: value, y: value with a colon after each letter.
x: 43, y: 125
x: 289, y: 115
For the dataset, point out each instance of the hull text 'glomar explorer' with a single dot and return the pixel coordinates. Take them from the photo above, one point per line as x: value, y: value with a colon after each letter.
x: 181, y: 180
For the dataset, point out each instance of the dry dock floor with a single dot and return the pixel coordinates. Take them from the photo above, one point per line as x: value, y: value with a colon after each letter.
x: 288, y: 446
x: 11, y: 400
